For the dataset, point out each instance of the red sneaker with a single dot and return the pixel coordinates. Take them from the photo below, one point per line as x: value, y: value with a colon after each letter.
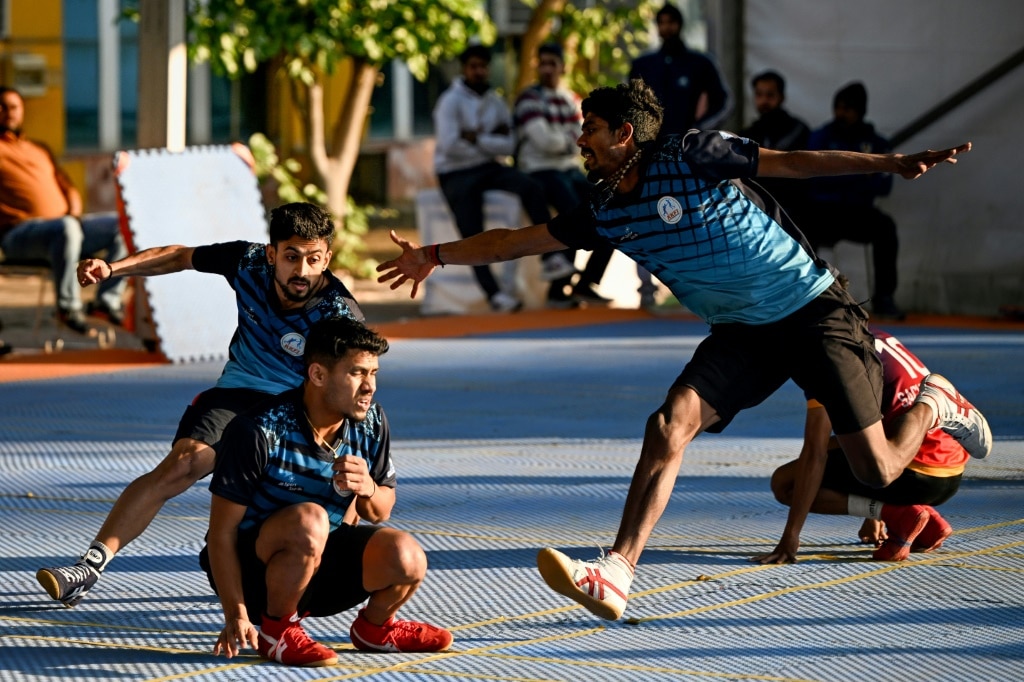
x: 933, y: 535
x: 283, y: 640
x: 903, y: 524
x: 398, y: 636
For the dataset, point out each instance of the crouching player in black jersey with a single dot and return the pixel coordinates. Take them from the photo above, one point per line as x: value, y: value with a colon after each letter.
x: 281, y: 289
x: 292, y: 479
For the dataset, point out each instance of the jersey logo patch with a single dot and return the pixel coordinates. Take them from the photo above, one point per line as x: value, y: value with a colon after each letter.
x: 670, y: 210
x: 293, y: 343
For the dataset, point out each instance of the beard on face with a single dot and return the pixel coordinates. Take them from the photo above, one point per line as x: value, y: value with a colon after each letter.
x: 291, y: 296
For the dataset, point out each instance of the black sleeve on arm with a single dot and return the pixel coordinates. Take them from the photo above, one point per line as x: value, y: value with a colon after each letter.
x: 576, y: 228
x: 241, y: 460
x: 219, y: 259
x: 720, y: 155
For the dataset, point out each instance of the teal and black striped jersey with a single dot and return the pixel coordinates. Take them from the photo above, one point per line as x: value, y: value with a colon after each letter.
x: 721, y: 245
x: 266, y: 350
x: 268, y: 459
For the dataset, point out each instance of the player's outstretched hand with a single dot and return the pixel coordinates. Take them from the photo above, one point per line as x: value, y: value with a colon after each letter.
x: 411, y: 266
x: 913, y: 166
x: 236, y: 634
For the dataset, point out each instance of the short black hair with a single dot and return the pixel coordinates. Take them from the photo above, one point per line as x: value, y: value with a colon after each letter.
x: 853, y: 95
x: 330, y: 339
x: 553, y: 49
x: 4, y: 89
x: 300, y: 219
x: 632, y: 103
x: 480, y: 51
x: 773, y: 76
x: 672, y: 11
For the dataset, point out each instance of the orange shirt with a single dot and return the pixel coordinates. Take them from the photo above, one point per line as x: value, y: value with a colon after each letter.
x: 29, y: 184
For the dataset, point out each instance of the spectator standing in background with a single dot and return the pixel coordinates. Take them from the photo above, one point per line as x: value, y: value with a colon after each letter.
x: 689, y: 87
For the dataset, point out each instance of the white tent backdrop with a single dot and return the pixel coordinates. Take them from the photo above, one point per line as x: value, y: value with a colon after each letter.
x: 961, y: 247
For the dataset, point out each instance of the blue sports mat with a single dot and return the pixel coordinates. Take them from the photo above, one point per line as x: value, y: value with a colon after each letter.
x: 505, y: 444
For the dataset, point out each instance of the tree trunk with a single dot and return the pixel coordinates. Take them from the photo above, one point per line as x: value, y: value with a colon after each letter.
x: 537, y: 31
x: 333, y: 165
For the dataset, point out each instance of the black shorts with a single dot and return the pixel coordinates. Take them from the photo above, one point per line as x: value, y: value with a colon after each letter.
x: 825, y: 347
x: 208, y: 415
x: 910, y: 488
x: 337, y: 586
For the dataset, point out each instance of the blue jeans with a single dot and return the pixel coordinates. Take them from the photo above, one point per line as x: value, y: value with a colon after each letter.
x: 63, y: 242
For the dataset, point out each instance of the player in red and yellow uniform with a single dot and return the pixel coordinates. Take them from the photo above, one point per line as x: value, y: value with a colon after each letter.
x: 820, y: 480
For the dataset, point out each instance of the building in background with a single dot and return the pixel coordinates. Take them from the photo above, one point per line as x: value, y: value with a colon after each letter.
x: 77, y: 66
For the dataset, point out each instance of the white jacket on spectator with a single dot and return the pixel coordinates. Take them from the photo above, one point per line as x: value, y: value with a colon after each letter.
x: 459, y: 108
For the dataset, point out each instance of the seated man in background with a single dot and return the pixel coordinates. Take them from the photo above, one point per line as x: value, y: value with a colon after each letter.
x: 776, y: 128
x: 843, y: 207
x: 548, y: 119
x: 474, y: 140
x: 41, y: 219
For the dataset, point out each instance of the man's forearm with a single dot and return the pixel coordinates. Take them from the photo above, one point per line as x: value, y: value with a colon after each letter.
x: 227, y: 576
x: 499, y: 245
x: 811, y: 164
x: 159, y: 260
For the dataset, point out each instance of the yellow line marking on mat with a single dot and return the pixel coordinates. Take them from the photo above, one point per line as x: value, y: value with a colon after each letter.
x: 827, y: 583
x: 404, y: 666
x: 108, y: 626
x: 137, y: 647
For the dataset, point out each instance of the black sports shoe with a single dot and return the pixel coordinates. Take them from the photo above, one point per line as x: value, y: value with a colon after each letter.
x: 588, y: 294
x: 68, y: 584
x: 115, y: 317
x: 73, y: 320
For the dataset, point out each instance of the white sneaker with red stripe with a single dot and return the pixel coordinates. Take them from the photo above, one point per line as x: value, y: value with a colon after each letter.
x: 956, y: 416
x: 601, y: 586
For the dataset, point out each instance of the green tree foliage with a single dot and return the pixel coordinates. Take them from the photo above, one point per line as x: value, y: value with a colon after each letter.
x: 317, y: 35
x: 600, y: 41
x: 310, y: 40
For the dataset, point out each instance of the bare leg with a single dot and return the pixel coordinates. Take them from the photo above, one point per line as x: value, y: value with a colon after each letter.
x: 394, y: 566
x: 878, y: 460
x: 139, y: 503
x: 291, y: 544
x: 826, y: 501
x: 669, y: 430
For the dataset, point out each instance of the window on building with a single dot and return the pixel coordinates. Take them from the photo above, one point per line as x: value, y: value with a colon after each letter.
x: 81, y: 73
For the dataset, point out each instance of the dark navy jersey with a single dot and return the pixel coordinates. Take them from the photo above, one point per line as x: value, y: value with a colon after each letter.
x: 721, y: 245
x: 268, y: 459
x: 266, y: 350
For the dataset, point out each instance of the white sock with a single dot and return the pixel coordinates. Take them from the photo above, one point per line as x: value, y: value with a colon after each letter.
x: 98, y: 556
x: 863, y: 507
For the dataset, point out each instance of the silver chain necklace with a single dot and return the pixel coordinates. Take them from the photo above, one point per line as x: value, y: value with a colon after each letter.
x: 608, y: 186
